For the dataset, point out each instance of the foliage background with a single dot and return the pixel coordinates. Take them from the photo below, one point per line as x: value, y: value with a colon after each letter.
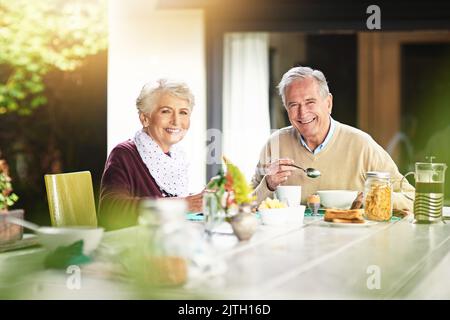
x: 53, y: 73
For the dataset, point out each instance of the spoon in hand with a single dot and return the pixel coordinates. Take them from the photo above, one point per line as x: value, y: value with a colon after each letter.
x: 310, y: 172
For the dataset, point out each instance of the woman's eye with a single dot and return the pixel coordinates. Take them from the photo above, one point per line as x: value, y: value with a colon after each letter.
x: 184, y: 113
x: 165, y: 111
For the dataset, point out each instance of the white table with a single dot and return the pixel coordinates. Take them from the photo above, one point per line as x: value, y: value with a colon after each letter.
x: 311, y: 262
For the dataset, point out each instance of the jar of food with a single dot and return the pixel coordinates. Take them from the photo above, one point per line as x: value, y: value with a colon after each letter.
x: 378, y: 196
x: 166, y: 252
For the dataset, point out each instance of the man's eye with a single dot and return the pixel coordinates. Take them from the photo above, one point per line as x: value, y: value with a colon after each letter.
x: 165, y: 111
x: 184, y: 113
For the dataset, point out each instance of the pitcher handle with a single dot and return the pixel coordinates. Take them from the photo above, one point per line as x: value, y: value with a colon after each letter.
x: 401, y: 185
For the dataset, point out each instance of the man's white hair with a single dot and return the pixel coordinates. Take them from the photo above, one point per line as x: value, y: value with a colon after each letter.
x: 300, y: 73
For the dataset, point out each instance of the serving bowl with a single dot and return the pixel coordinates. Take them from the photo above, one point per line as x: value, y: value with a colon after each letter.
x: 283, y: 216
x: 339, y: 199
x: 54, y: 237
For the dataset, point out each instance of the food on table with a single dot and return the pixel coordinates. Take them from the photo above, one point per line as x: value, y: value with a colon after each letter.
x: 313, y: 202
x: 167, y: 271
x: 344, y: 216
x: 271, y: 204
x: 378, y: 203
x: 314, y: 198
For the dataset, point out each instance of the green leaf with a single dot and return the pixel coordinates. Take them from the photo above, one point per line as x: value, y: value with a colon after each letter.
x: 14, y: 197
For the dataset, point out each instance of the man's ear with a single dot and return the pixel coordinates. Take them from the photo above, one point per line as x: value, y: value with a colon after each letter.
x: 145, y: 120
x: 330, y: 103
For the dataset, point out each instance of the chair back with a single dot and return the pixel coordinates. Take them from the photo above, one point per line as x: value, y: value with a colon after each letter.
x: 71, y: 199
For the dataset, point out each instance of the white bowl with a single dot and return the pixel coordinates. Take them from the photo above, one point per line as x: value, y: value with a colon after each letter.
x: 54, y: 237
x: 283, y: 216
x: 339, y: 199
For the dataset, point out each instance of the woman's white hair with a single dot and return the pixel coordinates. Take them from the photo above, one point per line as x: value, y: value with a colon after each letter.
x: 151, y: 92
x: 299, y: 73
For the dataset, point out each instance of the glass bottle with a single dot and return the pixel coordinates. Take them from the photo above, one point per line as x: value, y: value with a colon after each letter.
x: 378, y: 196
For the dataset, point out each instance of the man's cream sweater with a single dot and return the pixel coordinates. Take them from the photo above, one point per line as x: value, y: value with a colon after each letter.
x: 343, y: 163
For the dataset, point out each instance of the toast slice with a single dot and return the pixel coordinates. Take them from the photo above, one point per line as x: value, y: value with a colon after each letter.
x: 351, y: 214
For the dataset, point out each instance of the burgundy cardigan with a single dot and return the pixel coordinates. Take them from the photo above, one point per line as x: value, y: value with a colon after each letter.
x: 126, y: 179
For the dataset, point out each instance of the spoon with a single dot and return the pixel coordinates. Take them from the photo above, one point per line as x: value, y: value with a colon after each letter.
x: 23, y: 223
x: 310, y: 172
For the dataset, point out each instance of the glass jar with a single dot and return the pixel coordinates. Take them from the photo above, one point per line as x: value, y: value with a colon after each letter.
x: 165, y: 252
x: 378, y: 196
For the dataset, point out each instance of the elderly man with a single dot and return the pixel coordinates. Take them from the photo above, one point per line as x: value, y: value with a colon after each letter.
x: 342, y: 153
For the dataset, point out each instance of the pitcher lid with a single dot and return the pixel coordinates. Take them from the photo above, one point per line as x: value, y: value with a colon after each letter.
x: 431, y: 165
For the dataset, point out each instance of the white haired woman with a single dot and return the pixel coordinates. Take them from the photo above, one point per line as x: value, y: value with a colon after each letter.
x: 151, y: 165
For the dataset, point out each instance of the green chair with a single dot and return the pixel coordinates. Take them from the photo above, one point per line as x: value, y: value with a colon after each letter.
x: 71, y: 199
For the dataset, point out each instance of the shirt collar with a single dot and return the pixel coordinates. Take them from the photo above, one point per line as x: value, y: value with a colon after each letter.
x: 325, y: 142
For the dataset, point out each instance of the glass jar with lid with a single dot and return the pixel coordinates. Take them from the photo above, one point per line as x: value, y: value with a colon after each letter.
x: 378, y: 196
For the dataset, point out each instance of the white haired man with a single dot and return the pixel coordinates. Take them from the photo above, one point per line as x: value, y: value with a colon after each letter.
x: 342, y: 153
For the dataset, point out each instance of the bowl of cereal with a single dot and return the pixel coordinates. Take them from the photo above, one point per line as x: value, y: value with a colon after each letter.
x: 337, y: 199
x: 275, y: 213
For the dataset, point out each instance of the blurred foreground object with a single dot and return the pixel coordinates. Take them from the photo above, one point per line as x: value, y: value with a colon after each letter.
x: 41, y: 36
x: 8, y: 232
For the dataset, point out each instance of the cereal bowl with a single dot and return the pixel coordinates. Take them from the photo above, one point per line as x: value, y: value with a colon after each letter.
x: 339, y: 199
x: 283, y: 216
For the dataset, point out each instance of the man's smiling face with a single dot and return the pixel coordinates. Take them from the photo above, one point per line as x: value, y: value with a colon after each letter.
x: 308, y: 110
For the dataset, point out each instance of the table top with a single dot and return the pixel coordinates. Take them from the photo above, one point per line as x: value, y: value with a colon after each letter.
x: 396, y: 260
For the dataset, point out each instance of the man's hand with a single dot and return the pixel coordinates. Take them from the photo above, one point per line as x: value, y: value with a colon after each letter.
x: 401, y: 213
x: 278, y: 172
x: 195, y: 202
x: 358, y: 202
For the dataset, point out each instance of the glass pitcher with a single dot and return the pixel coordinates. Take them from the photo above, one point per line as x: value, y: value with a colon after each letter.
x: 429, y: 194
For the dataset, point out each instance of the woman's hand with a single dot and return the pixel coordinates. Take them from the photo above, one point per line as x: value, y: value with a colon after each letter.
x: 195, y: 202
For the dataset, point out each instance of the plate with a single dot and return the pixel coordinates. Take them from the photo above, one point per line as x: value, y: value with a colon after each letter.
x: 367, y: 223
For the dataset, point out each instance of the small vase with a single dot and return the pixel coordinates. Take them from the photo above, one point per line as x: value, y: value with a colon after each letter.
x: 244, y: 225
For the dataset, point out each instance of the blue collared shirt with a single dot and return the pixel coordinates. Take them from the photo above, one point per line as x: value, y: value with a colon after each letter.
x: 325, y: 142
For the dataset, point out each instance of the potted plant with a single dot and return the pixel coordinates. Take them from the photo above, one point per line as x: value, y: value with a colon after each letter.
x: 231, y: 199
x: 8, y: 232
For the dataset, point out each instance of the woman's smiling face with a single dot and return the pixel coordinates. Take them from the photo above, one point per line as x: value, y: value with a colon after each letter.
x: 168, y: 122
x: 308, y: 110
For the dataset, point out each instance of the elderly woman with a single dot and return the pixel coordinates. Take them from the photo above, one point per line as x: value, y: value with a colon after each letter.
x: 151, y: 165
